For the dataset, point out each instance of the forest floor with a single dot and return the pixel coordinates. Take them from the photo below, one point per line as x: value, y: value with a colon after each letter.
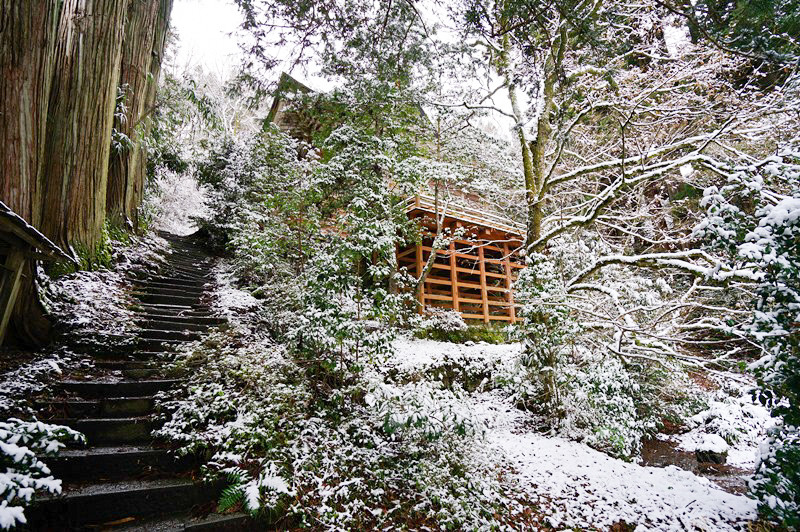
x: 574, y: 485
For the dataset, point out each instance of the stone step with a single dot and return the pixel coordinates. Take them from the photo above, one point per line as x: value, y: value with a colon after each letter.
x: 166, y: 299
x: 171, y: 281
x: 99, y: 408
x: 114, y: 463
x: 174, y: 290
x: 199, y: 317
x: 130, y: 388
x: 173, y: 325
x: 133, y: 356
x: 190, y: 261
x: 113, y: 431
x: 141, y: 373
x: 122, y: 364
x: 113, y: 503
x: 177, y: 289
x: 188, y: 274
x: 145, y: 344
x: 152, y: 309
x: 236, y: 522
x: 172, y: 334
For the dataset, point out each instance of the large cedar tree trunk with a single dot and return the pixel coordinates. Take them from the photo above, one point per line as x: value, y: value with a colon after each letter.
x: 145, y: 39
x: 80, y: 118
x: 27, y: 41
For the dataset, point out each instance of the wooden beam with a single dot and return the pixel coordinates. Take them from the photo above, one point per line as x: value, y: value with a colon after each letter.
x: 480, y: 317
x: 405, y: 253
x: 484, y: 295
x: 438, y: 297
x: 9, y: 288
x: 512, y: 310
x: 454, y: 277
x: 421, y: 300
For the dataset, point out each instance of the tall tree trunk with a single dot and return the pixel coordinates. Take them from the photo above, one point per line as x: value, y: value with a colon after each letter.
x: 27, y: 41
x: 145, y: 40
x: 80, y: 119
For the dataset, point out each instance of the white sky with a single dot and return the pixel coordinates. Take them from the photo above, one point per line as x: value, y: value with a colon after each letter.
x: 206, y: 34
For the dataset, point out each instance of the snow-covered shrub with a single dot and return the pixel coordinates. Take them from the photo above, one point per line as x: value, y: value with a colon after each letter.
x: 173, y: 202
x: 754, y: 222
x: 549, y: 330
x: 778, y: 475
x: 24, y: 474
x: 444, y: 320
x: 604, y: 401
x: 599, y: 404
x: 366, y: 455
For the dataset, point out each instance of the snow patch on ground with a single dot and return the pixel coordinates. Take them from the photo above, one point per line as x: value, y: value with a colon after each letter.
x: 412, y: 354
x: 228, y: 300
x: 30, y: 378
x: 733, y: 417
x: 90, y: 301
x: 577, y: 486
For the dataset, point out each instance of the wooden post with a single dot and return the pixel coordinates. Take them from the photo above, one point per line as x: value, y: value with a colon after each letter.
x: 454, y: 277
x: 10, y: 287
x: 512, y: 312
x: 419, y: 276
x: 484, y: 295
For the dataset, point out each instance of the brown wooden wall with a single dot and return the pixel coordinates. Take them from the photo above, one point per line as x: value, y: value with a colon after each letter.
x: 474, y: 276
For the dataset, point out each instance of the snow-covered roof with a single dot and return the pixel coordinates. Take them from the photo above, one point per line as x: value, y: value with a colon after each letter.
x: 11, y: 222
x: 470, y: 215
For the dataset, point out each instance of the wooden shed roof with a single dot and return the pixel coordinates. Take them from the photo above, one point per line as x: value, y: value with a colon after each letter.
x: 11, y: 222
x: 469, y: 215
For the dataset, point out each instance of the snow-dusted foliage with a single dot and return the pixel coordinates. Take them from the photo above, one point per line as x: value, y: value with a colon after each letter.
x: 174, y: 201
x: 19, y: 385
x: 443, y: 320
x: 316, y: 239
x: 366, y: 454
x: 23, y: 474
x: 575, y: 373
x: 754, y: 222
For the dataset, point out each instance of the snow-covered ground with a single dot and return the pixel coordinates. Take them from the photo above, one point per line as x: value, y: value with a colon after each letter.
x: 732, y: 416
x: 574, y: 485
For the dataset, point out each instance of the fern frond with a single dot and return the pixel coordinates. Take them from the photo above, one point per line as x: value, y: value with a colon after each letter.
x: 230, y: 497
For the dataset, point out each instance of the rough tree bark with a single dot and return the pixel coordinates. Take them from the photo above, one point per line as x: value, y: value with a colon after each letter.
x: 143, y: 49
x: 80, y: 118
x: 27, y: 41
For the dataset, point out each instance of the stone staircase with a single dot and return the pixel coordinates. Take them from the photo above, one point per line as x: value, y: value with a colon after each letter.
x: 124, y: 479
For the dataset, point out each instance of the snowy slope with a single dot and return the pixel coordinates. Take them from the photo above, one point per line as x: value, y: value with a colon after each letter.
x: 571, y: 483
x: 580, y: 487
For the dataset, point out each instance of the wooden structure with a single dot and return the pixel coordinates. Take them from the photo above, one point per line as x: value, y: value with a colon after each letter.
x: 474, y: 275
x: 295, y: 122
x: 19, y: 243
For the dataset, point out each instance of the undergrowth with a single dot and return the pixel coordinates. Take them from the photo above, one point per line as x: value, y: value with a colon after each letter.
x: 314, y: 445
